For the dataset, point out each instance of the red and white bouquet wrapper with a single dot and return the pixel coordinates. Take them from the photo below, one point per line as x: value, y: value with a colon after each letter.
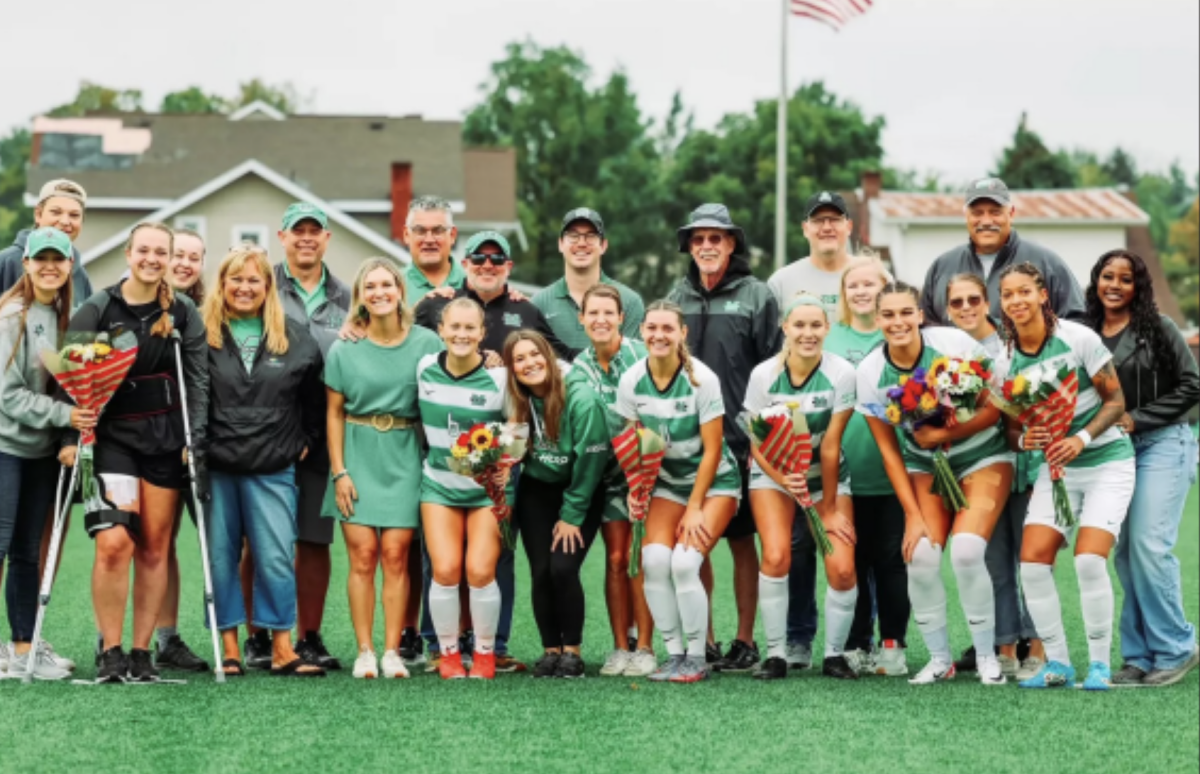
x: 640, y: 452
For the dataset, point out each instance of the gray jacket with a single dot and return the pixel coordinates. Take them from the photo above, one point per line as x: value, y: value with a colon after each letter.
x: 11, y: 270
x: 327, y: 320
x: 30, y: 418
x: 1066, y: 297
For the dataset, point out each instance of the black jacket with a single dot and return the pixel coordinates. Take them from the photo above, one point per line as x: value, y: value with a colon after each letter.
x: 731, y: 329
x: 1154, y: 397
x: 260, y: 422
x: 501, y: 316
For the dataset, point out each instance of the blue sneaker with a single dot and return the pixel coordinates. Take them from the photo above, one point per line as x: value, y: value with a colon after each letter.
x: 1053, y: 674
x: 1099, y: 677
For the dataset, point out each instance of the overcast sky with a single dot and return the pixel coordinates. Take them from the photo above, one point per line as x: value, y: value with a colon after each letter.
x: 950, y: 76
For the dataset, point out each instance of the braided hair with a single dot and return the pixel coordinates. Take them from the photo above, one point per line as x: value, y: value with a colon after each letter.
x: 1048, y: 315
x: 166, y: 294
x: 1144, y: 316
x: 685, y: 355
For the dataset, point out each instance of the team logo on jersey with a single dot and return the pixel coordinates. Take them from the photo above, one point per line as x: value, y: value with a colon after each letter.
x: 820, y: 402
x: 512, y: 320
x: 732, y: 306
x: 478, y: 399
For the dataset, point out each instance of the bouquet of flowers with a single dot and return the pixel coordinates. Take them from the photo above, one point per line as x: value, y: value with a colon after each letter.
x: 90, y: 369
x: 480, y: 454
x: 640, y: 452
x: 958, y: 382
x: 1045, y: 397
x: 914, y: 403
x: 781, y: 435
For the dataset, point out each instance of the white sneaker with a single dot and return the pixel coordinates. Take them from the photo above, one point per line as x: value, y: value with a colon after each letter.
x: 1009, y: 666
x: 365, y: 666
x: 936, y: 671
x: 47, y: 652
x: 990, y: 671
x: 1030, y: 667
x: 615, y: 663
x: 861, y: 661
x: 43, y: 668
x: 890, y: 660
x: 393, y: 665
x: 798, y: 655
x: 641, y: 664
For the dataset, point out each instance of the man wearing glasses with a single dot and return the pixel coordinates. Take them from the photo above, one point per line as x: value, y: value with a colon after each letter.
x: 429, y: 234
x: 827, y: 227
x: 582, y: 243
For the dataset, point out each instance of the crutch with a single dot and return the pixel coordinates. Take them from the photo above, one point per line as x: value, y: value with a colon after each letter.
x: 61, y: 508
x: 218, y: 670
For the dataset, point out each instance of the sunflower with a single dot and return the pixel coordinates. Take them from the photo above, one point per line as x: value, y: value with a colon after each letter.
x: 928, y: 402
x: 458, y: 452
x: 481, y: 438
x: 893, y: 414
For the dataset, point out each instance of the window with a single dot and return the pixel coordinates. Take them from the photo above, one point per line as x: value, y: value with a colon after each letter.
x: 197, y: 223
x: 255, y: 235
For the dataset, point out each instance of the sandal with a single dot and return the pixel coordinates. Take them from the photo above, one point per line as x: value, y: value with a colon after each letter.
x: 233, y: 668
x: 297, y: 668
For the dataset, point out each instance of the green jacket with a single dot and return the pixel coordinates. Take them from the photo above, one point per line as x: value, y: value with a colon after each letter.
x: 581, y: 453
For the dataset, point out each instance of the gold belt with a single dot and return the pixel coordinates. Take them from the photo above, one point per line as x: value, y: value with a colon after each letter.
x: 383, y: 422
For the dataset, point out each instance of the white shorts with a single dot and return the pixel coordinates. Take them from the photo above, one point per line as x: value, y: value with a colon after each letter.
x: 763, y: 481
x: 1099, y: 496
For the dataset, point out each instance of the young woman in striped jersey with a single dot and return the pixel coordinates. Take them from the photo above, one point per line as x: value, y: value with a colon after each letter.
x: 981, y: 462
x: 456, y: 392
x: 823, y: 385
x: 698, y: 487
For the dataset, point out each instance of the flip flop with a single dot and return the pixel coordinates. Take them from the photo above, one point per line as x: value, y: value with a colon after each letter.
x: 233, y: 663
x: 293, y: 667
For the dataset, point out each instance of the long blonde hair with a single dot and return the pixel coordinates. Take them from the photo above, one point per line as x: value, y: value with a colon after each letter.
x: 685, y: 355
x: 216, y: 316
x: 359, y: 309
x: 865, y: 257
x: 166, y: 294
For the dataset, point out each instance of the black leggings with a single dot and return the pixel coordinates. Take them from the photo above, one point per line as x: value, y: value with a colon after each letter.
x: 557, y: 591
x: 879, y: 562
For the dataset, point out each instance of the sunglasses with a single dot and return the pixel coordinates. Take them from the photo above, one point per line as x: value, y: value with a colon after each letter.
x: 969, y: 301
x: 712, y: 239
x: 479, y: 259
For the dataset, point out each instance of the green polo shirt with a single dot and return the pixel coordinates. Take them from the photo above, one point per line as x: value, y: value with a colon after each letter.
x: 562, y: 313
x: 419, y: 286
x: 312, y: 300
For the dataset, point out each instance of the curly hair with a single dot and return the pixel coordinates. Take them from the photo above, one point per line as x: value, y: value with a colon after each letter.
x: 1048, y: 315
x: 1144, y: 317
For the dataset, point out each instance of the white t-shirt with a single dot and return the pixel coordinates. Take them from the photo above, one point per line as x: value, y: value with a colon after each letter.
x: 803, y: 275
x: 988, y: 260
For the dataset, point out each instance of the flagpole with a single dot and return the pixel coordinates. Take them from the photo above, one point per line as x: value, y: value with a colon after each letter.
x: 781, y: 142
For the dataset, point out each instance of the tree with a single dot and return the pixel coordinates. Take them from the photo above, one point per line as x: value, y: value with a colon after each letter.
x: 284, y: 97
x: 1182, y: 265
x: 193, y: 100
x: 1121, y: 168
x: 14, y: 155
x: 1028, y: 163
x: 94, y: 98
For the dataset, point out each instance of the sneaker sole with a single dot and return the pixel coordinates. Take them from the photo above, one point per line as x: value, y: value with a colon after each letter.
x: 689, y: 680
x: 1179, y: 674
x: 365, y: 676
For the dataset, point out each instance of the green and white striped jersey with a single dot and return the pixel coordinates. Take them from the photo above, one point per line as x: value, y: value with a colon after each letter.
x: 449, y: 407
x: 828, y: 390
x: 877, y: 374
x: 1081, y: 349
x: 677, y: 414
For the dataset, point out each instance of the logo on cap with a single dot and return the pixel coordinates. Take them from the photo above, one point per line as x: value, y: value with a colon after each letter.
x: 824, y: 197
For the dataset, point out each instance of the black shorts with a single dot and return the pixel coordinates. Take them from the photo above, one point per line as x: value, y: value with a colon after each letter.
x: 165, y: 471
x: 742, y: 524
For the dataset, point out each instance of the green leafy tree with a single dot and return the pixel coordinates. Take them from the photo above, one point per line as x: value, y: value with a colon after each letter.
x: 1028, y: 163
x: 193, y: 100
x: 284, y: 97
x: 14, y: 155
x: 94, y: 98
x: 1182, y: 264
x: 1121, y: 168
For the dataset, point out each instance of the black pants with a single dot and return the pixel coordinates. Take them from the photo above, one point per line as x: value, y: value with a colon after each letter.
x: 557, y: 590
x: 879, y: 557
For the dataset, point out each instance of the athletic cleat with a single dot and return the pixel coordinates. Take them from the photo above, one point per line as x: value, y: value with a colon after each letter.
x: 799, y: 655
x: 570, y: 666
x: 432, y: 663
x: 890, y: 660
x: 934, y: 672
x: 693, y: 669
x: 615, y: 663
x: 1030, y: 667
x: 450, y: 667
x: 968, y: 661
x: 860, y: 661
x: 483, y: 666
x: 411, y: 648
x: 47, y: 652
x: 641, y: 664
x: 774, y: 668
x: 546, y: 666
x: 1052, y: 675
x: 366, y: 666
x: 990, y: 671
x: 114, y: 666
x: 258, y: 650
x: 178, y: 656
x: 838, y: 668
x: 141, y: 666
x: 1009, y: 666
x: 43, y: 668
x: 312, y: 649
x: 393, y: 666
x: 668, y: 669
x: 1099, y: 677
x: 712, y: 652
x: 507, y: 664
x: 740, y: 658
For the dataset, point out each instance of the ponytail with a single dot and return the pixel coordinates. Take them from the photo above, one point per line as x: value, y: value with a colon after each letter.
x: 166, y: 297
x: 685, y: 356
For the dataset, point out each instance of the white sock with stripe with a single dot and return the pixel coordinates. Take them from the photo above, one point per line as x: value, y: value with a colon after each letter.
x: 691, y: 598
x: 975, y: 590
x: 839, y: 616
x: 1041, y: 600
x: 773, y: 604
x: 660, y: 596
x: 928, y: 597
x: 443, y: 611
x: 485, y: 616
x: 1096, y: 601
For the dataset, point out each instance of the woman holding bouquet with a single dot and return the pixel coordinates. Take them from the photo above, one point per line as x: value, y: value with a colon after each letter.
x: 603, y: 364
x: 822, y: 387
x: 456, y: 393
x: 978, y: 461
x: 560, y: 498
x: 139, y: 454
x: 698, y: 487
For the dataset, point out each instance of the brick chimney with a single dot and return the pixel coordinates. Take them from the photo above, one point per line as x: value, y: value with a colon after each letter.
x: 401, y: 194
x: 872, y: 185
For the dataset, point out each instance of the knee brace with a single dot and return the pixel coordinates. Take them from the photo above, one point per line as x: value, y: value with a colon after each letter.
x: 104, y: 509
x: 96, y: 522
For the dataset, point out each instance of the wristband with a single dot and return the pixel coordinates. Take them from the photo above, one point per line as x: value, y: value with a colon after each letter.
x: 1084, y: 436
x: 336, y: 476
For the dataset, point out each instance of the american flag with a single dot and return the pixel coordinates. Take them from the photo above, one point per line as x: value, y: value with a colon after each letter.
x: 834, y: 13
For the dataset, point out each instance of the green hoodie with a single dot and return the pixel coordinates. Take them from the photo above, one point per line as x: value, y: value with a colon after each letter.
x: 581, y: 453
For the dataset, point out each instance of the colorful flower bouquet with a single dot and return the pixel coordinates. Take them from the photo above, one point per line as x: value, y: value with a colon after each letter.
x: 481, y: 454
x: 640, y: 452
x: 958, y: 383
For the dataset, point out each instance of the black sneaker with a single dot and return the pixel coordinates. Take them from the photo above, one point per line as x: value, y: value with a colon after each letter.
x: 258, y: 650
x: 740, y: 658
x: 774, y: 668
x: 570, y: 666
x: 712, y: 653
x: 177, y: 655
x: 141, y: 666
x: 966, y: 662
x: 466, y: 643
x: 412, y: 647
x: 312, y: 650
x: 547, y: 665
x: 1023, y: 647
x: 838, y: 668
x: 114, y: 666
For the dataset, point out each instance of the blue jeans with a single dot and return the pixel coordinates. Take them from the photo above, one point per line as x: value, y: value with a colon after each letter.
x: 26, y: 495
x: 1154, y: 632
x: 1003, y: 560
x: 802, y: 584
x: 261, y: 509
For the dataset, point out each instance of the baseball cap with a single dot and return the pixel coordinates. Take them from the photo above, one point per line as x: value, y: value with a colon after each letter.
x: 583, y: 213
x: 49, y: 239
x: 826, y: 199
x: 304, y: 211
x: 988, y: 188
x: 483, y: 237
x: 65, y: 188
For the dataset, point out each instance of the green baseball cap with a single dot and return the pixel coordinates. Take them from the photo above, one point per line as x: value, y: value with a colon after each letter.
x: 483, y: 237
x: 49, y: 239
x: 304, y: 211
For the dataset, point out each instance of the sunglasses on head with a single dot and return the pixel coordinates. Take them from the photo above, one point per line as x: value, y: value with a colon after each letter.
x: 712, y: 239
x: 479, y: 259
x: 970, y: 301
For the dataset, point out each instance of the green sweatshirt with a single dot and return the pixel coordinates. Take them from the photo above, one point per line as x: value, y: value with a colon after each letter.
x: 29, y: 417
x: 582, y: 451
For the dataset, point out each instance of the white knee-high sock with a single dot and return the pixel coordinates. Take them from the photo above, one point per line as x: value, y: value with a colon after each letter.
x: 660, y: 596
x: 443, y: 611
x: 975, y: 590
x: 1096, y: 601
x: 839, y: 616
x: 689, y: 594
x: 928, y: 597
x: 485, y: 616
x: 773, y: 604
x: 1041, y: 600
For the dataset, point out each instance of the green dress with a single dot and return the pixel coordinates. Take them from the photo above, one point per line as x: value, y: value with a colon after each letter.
x: 385, y: 467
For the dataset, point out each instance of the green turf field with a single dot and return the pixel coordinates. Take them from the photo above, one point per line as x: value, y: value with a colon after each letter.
x: 598, y: 724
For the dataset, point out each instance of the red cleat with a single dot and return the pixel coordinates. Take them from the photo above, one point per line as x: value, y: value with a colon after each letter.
x: 450, y: 667
x: 483, y: 666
